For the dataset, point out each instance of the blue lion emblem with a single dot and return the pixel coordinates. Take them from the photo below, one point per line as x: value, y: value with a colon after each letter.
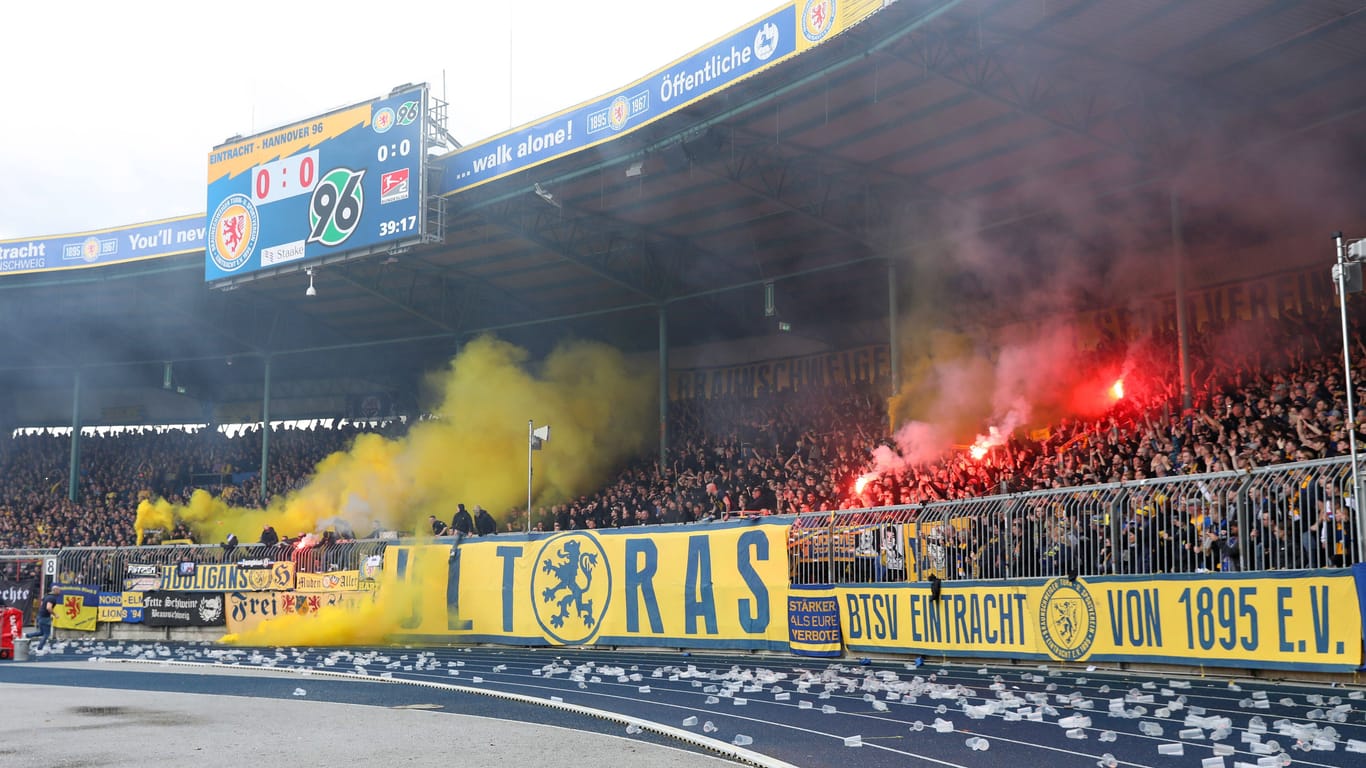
x: 1065, y: 620
x: 574, y: 575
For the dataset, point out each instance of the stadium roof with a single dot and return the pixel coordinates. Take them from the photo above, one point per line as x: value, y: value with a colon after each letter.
x: 929, y: 121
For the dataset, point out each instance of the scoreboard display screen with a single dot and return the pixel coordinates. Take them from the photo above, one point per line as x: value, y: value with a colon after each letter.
x: 348, y: 181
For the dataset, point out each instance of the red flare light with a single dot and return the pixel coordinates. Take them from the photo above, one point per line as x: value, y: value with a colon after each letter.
x: 984, y: 443
x: 1117, y: 389
x: 863, y: 481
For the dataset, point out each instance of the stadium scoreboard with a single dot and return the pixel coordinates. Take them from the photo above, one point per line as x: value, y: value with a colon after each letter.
x: 344, y: 184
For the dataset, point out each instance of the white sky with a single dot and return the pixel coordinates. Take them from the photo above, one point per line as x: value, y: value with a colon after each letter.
x: 110, y: 108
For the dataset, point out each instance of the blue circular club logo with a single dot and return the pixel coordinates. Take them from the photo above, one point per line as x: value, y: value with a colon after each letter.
x: 571, y: 587
x: 1067, y: 619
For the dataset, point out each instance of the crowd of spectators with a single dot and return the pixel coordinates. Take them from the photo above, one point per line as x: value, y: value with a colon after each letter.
x: 1279, y: 400
x: 117, y: 471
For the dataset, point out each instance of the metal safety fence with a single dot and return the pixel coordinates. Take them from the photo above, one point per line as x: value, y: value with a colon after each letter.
x: 18, y: 563
x: 25, y: 575
x: 1286, y: 516
x: 107, y: 568
x: 337, y: 556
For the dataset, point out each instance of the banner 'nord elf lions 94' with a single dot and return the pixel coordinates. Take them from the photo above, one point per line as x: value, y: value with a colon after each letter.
x: 715, y: 586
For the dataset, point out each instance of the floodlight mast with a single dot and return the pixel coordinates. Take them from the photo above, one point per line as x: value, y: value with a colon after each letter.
x: 535, y: 438
x: 530, y: 450
x: 1340, y: 269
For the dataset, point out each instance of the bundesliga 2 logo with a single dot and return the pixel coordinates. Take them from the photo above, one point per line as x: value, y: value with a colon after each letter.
x: 571, y: 587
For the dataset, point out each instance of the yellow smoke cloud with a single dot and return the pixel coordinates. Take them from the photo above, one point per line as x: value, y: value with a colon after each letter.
x: 598, y: 404
x: 363, y: 621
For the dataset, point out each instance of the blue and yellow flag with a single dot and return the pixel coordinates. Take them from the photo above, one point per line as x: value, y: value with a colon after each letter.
x: 79, y: 609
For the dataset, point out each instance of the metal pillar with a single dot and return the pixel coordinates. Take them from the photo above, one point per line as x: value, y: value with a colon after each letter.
x: 1340, y: 277
x: 530, y: 450
x: 265, y: 433
x: 73, y: 480
x: 663, y: 386
x: 894, y: 350
x: 1182, y: 331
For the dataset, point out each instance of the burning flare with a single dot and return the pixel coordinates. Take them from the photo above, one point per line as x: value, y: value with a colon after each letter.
x: 984, y: 443
x: 862, y: 482
x: 1117, y: 389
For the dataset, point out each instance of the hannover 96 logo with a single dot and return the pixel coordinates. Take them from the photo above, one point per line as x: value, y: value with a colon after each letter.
x: 571, y: 587
x: 335, y: 208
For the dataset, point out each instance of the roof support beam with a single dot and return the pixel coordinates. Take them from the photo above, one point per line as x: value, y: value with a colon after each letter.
x: 446, y: 298
x: 957, y: 57
x: 572, y: 237
x: 763, y: 170
x: 379, y: 290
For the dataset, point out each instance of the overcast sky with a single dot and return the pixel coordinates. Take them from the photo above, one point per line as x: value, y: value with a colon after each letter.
x: 110, y: 109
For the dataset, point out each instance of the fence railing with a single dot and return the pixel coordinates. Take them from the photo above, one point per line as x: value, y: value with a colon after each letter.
x: 1279, y: 517
x: 107, y: 567
x: 24, y: 564
x: 1286, y: 516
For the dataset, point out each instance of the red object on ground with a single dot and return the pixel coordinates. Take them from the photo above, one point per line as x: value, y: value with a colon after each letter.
x: 11, y: 627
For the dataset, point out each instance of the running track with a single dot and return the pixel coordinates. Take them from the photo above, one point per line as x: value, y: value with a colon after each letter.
x: 796, y: 711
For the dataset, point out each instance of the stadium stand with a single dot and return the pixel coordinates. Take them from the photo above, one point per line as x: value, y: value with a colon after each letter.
x: 1275, y: 401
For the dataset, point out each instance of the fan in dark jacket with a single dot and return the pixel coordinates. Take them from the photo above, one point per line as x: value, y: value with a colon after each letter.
x: 484, y: 522
x: 462, y: 523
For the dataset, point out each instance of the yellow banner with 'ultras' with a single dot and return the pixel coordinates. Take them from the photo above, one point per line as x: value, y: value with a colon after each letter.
x: 1307, y: 620
x: 719, y: 585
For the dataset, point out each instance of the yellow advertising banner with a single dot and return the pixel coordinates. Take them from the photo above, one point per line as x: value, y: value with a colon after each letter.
x: 130, y: 599
x: 246, y: 610
x: 228, y: 577
x: 1292, y: 620
x: 714, y: 586
x: 336, y: 581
